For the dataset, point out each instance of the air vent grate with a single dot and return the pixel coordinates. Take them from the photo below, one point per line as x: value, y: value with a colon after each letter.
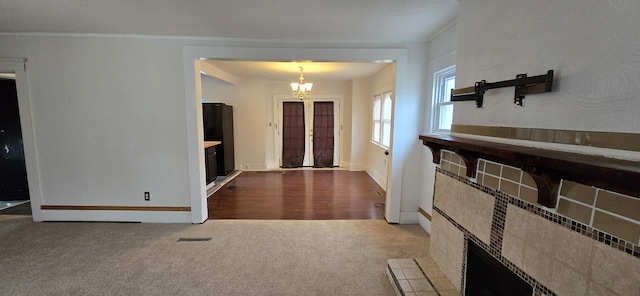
x: 194, y: 239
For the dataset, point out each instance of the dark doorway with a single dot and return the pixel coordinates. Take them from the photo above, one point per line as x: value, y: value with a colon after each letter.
x: 323, y: 134
x: 13, y: 170
x: 293, y: 139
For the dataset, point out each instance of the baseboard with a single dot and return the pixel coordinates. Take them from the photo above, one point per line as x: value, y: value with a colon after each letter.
x: 356, y: 167
x: 425, y: 224
x: 218, y: 184
x: 145, y: 216
x: 382, y: 182
x: 253, y: 167
x: 116, y: 208
x: 409, y: 217
x: 424, y: 219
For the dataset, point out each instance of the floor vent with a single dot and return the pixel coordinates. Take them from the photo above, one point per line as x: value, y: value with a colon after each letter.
x: 231, y: 187
x: 194, y: 239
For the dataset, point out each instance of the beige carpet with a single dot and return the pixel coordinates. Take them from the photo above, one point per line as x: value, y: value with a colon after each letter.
x: 243, y: 257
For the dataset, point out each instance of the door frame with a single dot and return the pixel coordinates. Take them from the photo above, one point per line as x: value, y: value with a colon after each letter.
x: 19, y: 68
x: 337, y: 125
x: 402, y: 142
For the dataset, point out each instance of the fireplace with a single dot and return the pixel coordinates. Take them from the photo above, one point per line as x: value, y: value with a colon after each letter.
x: 487, y: 277
x: 553, y: 254
x: 563, y: 236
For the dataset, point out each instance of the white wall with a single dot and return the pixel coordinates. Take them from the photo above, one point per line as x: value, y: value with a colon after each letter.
x: 377, y: 164
x: 215, y: 90
x: 360, y: 124
x: 249, y: 117
x: 593, y: 46
x: 108, y: 122
x: 413, y: 115
x: 441, y: 53
x: 347, y: 128
x: 111, y: 120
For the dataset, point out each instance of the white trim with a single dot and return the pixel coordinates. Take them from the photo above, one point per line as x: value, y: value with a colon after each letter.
x: 8, y: 76
x: 357, y: 167
x: 117, y: 216
x: 380, y: 180
x: 439, y: 77
x: 212, y: 71
x: 409, y: 217
x: 443, y: 29
x: 18, y: 66
x: 382, y: 96
x: 195, y: 139
x: 249, y: 41
x: 425, y: 223
x: 445, y: 57
x: 254, y: 167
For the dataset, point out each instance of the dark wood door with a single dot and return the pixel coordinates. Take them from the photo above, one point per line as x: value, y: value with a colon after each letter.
x: 323, y: 133
x: 293, y: 139
x: 13, y: 170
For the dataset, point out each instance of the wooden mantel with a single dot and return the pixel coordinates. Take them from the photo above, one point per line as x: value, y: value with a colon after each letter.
x: 546, y: 167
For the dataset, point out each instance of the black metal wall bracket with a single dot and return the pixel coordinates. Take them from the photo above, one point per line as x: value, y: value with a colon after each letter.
x: 524, y: 85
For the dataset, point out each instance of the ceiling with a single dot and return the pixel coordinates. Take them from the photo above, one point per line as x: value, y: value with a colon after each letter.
x: 304, y: 21
x: 309, y: 20
x: 288, y: 71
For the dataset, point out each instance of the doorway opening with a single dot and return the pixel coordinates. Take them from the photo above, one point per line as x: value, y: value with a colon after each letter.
x: 398, y: 73
x: 14, y: 188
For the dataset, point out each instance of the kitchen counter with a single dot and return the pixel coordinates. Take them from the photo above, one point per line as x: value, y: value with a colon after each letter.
x: 208, y: 144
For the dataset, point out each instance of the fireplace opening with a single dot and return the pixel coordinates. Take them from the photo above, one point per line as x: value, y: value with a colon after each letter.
x: 486, y: 276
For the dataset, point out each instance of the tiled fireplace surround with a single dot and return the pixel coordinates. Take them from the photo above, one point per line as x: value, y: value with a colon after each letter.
x: 557, y: 255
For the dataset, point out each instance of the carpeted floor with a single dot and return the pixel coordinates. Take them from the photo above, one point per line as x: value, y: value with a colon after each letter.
x: 243, y: 257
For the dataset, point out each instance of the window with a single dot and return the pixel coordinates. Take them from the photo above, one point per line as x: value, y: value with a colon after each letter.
x: 381, y: 131
x: 443, y: 81
x: 377, y: 107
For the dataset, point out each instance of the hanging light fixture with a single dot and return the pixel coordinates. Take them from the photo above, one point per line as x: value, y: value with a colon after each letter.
x: 301, y: 90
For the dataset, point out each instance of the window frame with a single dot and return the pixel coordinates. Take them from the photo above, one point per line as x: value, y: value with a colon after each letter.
x: 440, y: 97
x: 376, y: 119
x: 380, y: 119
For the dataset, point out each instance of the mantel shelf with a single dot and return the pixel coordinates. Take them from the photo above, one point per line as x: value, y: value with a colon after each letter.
x: 546, y: 167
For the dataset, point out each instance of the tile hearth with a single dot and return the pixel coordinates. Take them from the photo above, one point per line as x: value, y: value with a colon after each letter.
x: 418, y: 277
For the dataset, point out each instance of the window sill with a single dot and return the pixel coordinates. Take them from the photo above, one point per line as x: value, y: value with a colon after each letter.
x: 379, y: 145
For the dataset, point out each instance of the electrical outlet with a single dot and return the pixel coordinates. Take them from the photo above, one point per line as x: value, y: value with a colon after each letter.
x: 147, y: 196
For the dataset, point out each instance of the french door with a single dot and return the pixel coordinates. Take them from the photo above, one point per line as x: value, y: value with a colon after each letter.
x: 308, y: 133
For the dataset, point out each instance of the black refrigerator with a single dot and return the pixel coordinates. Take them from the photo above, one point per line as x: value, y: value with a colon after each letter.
x: 218, y: 126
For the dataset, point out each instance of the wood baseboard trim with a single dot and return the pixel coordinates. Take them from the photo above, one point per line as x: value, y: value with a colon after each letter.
x: 115, y: 208
x: 424, y: 213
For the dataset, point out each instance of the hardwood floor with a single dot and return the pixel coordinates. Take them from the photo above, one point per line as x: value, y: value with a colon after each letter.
x: 299, y: 195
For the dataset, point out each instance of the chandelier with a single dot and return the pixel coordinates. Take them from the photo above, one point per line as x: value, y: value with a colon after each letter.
x: 300, y: 89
